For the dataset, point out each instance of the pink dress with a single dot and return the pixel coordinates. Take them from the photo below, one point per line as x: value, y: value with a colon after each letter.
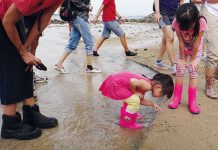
x: 117, y: 86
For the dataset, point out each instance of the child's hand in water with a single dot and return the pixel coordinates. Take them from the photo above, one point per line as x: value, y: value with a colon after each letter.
x: 156, y: 107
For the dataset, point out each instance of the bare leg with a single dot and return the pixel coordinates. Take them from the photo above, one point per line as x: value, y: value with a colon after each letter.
x: 162, y: 49
x: 124, y: 43
x: 216, y: 73
x: 9, y: 110
x: 62, y: 58
x: 193, y: 82
x: 29, y: 101
x: 179, y: 80
x: 169, y: 35
x: 210, y: 92
x: 89, y: 59
x: 99, y: 43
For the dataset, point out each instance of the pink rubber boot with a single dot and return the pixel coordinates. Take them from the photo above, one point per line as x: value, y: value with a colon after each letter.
x: 123, y: 108
x: 176, y: 96
x: 127, y: 120
x: 193, y: 106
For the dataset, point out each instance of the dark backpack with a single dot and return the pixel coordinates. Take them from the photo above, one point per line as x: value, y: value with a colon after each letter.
x: 153, y: 7
x: 67, y: 12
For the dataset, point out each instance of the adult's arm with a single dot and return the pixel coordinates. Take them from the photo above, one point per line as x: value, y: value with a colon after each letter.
x: 100, y: 11
x: 212, y: 1
x: 120, y: 17
x: 34, y: 33
x: 11, y: 17
x: 157, y: 10
x: 95, y: 19
x: 181, y: 2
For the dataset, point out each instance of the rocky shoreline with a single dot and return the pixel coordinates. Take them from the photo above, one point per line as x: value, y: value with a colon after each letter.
x: 147, y: 19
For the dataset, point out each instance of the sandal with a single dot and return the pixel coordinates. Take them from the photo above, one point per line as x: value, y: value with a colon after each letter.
x: 209, y: 90
x: 211, y: 93
x: 60, y: 69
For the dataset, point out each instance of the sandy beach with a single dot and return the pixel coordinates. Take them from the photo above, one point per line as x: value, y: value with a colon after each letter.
x: 174, y: 129
x: 88, y: 121
x: 178, y: 129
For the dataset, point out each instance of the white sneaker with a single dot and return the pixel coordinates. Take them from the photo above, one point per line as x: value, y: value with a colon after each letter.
x: 60, y: 69
x: 173, y: 69
x: 38, y: 79
x: 94, y: 70
x: 161, y: 65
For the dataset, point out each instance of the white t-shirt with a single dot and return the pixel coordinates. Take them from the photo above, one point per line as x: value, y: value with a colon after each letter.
x: 212, y: 8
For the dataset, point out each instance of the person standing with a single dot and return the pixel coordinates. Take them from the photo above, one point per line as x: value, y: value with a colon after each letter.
x: 16, y: 76
x: 210, y: 11
x: 80, y: 27
x: 189, y: 27
x: 111, y: 25
x: 165, y: 12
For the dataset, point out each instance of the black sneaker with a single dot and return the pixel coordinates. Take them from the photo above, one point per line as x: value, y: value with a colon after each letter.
x: 130, y: 53
x: 95, y: 53
x: 13, y: 127
x: 35, y: 98
x: 33, y: 117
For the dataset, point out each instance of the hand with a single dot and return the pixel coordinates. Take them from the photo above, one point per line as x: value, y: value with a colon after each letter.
x: 157, y: 16
x: 29, y: 58
x: 194, y: 65
x: 181, y: 64
x: 156, y: 107
x: 90, y: 8
x: 95, y: 20
x: 121, y: 20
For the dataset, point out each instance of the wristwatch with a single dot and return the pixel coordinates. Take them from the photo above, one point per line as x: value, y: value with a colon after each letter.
x: 119, y: 17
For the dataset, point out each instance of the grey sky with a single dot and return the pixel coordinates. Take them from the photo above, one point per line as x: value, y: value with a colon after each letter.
x: 129, y: 7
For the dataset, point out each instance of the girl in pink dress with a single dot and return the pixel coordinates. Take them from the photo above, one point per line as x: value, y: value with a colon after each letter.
x: 189, y: 27
x: 131, y: 88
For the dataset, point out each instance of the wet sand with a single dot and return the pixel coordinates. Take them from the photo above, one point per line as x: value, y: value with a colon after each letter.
x: 87, y: 120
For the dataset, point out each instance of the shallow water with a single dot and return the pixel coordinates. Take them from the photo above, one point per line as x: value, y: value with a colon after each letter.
x: 87, y: 120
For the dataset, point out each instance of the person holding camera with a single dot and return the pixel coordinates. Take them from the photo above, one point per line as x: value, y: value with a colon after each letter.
x: 16, y: 61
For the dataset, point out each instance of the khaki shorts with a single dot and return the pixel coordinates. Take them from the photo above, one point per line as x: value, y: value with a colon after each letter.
x: 133, y: 103
x: 211, y: 39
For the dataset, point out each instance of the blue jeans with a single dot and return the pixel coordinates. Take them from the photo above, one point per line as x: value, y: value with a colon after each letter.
x: 112, y: 26
x: 80, y: 28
